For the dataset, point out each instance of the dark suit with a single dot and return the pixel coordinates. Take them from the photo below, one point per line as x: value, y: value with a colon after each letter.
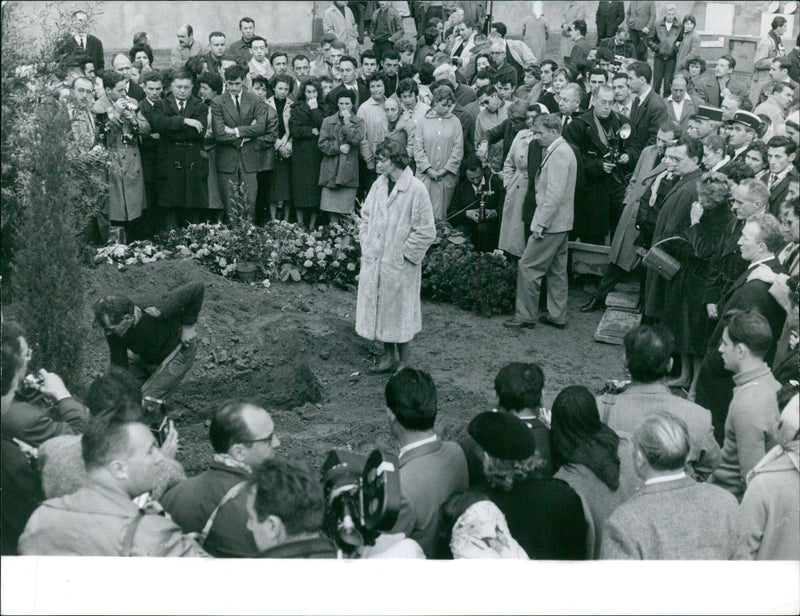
x: 94, y: 50
x: 646, y: 117
x: 715, y: 383
x: 183, y: 171
x: 238, y: 158
x: 707, y: 89
x: 777, y: 193
x: 332, y: 103
x: 610, y: 14
x: 148, y: 148
x: 597, y: 212
x: 136, y: 92
x: 484, y: 236
x: 673, y: 219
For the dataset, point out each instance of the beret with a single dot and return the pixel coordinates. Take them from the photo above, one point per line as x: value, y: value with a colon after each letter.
x: 709, y: 113
x: 748, y: 119
x: 503, y: 436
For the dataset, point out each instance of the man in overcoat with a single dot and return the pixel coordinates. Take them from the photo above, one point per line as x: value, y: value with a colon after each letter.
x: 596, y: 135
x: 180, y: 119
x: 673, y: 517
x: 673, y: 215
x: 238, y: 118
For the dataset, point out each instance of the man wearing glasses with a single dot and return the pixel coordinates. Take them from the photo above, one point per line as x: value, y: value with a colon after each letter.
x: 214, y: 503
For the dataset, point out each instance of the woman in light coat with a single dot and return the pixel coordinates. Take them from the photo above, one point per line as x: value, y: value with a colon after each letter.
x: 121, y: 123
x: 339, y: 139
x: 515, y: 180
x: 438, y: 150
x: 395, y: 232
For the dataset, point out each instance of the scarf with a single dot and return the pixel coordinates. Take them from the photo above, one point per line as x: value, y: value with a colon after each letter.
x: 224, y: 458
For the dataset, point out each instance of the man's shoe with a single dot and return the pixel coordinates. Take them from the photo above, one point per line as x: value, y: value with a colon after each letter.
x: 548, y: 320
x: 517, y: 324
x: 592, y: 305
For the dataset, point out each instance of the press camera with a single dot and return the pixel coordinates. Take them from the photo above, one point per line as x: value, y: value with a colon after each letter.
x: 362, y: 497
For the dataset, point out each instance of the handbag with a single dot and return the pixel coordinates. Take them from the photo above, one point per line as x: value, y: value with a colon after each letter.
x: 661, y: 262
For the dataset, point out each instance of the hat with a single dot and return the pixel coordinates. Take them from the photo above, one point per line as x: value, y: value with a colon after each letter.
x: 709, y: 113
x: 794, y: 119
x: 503, y: 436
x: 748, y: 119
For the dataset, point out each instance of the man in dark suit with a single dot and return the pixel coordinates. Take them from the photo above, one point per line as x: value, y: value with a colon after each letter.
x: 673, y: 216
x: 149, y: 146
x: 648, y: 110
x: 743, y: 131
x: 431, y: 470
x: 122, y: 64
x: 596, y: 135
x: 761, y: 238
x: 781, y: 153
x: 610, y: 14
x: 80, y: 43
x: 180, y: 119
x: 713, y: 88
x: 238, y: 117
x: 347, y: 71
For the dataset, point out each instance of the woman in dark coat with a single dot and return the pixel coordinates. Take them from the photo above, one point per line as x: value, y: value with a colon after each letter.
x: 280, y: 184
x: 684, y: 310
x: 545, y: 516
x: 304, y: 124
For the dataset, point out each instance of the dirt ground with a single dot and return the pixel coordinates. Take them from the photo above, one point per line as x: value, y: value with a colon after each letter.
x: 293, y: 348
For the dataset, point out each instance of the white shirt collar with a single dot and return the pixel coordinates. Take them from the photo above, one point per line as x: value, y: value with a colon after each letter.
x: 665, y: 478
x: 760, y: 261
x: 415, y: 444
x: 644, y: 94
x: 781, y: 174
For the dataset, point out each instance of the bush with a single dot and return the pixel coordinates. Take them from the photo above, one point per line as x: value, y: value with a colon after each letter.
x: 48, y: 280
x: 454, y: 272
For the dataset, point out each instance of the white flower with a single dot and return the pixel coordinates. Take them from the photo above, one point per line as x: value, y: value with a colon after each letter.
x: 335, y: 264
x: 351, y: 267
x: 308, y: 263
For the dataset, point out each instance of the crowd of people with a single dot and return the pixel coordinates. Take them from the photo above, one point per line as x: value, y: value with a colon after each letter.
x: 690, y: 175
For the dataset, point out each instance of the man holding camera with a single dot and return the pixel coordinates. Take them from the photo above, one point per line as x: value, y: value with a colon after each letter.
x: 30, y: 418
x: 156, y: 343
x: 596, y: 135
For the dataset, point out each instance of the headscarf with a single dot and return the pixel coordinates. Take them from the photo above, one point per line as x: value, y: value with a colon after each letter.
x: 482, y: 532
x: 788, y: 443
x: 577, y: 436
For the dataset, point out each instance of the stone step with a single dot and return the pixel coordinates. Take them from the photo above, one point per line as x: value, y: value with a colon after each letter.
x: 615, y: 324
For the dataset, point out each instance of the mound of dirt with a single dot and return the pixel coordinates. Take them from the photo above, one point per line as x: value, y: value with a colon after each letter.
x: 293, y: 349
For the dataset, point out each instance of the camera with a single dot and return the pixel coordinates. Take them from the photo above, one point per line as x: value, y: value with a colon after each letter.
x: 616, y: 143
x: 362, y: 497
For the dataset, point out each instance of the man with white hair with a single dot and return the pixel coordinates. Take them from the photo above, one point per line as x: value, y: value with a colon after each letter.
x: 463, y: 94
x: 672, y: 517
x: 516, y: 53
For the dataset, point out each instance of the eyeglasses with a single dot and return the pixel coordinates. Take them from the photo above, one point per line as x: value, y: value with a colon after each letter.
x: 266, y: 439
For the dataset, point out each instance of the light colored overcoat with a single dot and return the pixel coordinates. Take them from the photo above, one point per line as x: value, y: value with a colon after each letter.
x: 395, y: 232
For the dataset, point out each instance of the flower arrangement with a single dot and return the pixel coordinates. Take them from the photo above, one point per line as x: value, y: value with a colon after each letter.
x: 452, y: 271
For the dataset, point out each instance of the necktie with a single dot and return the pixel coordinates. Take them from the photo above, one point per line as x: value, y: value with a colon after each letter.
x: 634, y: 106
x: 773, y: 179
x: 238, y: 108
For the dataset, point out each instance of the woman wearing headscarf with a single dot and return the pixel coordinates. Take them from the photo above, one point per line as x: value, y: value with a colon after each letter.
x: 438, y: 150
x: 593, y: 459
x: 770, y: 518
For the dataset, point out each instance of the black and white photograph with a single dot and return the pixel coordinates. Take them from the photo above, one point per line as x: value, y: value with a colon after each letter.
x: 400, y: 281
